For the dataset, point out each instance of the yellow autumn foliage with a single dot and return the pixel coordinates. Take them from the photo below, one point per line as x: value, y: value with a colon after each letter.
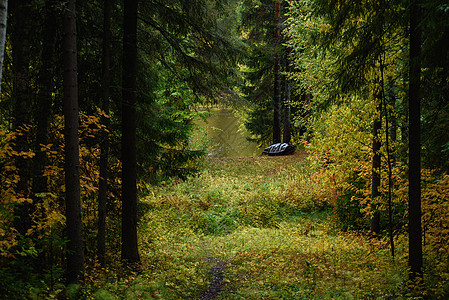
x: 435, y: 207
x: 48, y: 209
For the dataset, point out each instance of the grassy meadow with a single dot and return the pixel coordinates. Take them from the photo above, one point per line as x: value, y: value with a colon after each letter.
x: 252, y: 228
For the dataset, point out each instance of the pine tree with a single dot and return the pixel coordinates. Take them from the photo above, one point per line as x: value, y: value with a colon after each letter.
x: 130, y: 252
x: 104, y: 144
x: 277, y: 75
x: 75, y: 251
x: 3, y: 18
x: 414, y: 224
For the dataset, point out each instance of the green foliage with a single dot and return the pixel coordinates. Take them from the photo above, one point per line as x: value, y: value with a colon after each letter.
x: 35, y: 260
x: 257, y: 87
x: 263, y: 217
x: 288, y: 249
x: 260, y: 209
x: 436, y: 233
x: 348, y: 210
x: 218, y: 221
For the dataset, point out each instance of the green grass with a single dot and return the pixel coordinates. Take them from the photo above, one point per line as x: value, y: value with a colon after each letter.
x: 270, y: 220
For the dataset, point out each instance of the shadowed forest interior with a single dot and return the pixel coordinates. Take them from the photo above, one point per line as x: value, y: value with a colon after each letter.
x: 131, y: 139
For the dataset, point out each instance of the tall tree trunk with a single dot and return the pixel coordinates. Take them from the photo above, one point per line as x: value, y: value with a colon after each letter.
x: 3, y: 18
x: 44, y: 97
x: 388, y: 116
x: 414, y: 210
x: 277, y: 76
x: 22, y: 95
x: 104, y: 145
x: 391, y: 114
x: 376, y: 162
x: 75, y: 254
x: 287, y: 134
x: 130, y: 252
x: 392, y: 111
x: 404, y: 120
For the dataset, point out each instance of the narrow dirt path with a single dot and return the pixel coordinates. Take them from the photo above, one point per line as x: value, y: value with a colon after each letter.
x: 217, y: 276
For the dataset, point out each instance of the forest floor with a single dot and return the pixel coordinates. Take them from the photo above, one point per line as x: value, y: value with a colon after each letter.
x: 254, y: 228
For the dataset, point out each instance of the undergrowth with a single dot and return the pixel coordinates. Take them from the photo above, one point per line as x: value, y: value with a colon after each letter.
x: 270, y: 222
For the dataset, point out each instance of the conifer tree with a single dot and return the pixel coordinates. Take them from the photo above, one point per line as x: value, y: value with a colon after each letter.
x: 75, y: 251
x: 3, y: 18
x: 130, y: 252
x: 277, y: 75
x: 414, y: 224
x: 44, y: 96
x: 104, y: 144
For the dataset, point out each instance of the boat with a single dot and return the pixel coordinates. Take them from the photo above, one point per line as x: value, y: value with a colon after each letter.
x: 279, y: 149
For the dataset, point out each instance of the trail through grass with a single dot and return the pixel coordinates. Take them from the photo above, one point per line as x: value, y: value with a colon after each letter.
x: 257, y: 228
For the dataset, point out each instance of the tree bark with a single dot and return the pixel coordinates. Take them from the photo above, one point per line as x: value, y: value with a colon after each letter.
x: 392, y: 111
x: 75, y: 254
x: 376, y: 163
x: 414, y: 210
x: 287, y: 134
x: 277, y: 76
x: 104, y: 145
x: 22, y: 95
x: 130, y: 252
x: 3, y: 18
x: 44, y: 98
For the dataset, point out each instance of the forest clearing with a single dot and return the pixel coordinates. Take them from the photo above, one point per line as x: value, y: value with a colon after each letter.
x: 262, y: 226
x: 112, y: 187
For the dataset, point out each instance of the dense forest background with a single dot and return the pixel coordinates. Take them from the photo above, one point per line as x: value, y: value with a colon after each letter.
x: 99, y: 100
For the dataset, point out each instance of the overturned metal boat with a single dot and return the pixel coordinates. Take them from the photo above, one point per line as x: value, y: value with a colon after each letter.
x: 279, y: 149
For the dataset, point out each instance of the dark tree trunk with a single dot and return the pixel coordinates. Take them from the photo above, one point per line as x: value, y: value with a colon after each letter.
x: 75, y: 254
x: 130, y: 252
x: 404, y: 121
x: 44, y: 98
x: 287, y: 134
x: 104, y: 145
x: 3, y: 18
x: 22, y: 95
x: 44, y: 101
x: 414, y: 212
x: 388, y: 116
x: 376, y: 163
x: 277, y: 76
x: 392, y: 110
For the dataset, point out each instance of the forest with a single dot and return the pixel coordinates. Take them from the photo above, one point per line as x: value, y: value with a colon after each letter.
x: 105, y: 194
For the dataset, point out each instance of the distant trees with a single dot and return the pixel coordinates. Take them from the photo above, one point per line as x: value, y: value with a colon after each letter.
x: 287, y: 130
x: 267, y: 88
x: 277, y: 74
